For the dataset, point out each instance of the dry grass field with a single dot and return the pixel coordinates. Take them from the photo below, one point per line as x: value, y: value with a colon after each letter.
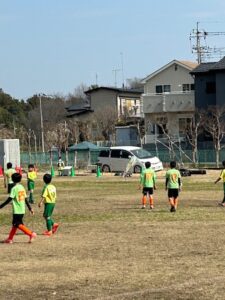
x: 109, y: 248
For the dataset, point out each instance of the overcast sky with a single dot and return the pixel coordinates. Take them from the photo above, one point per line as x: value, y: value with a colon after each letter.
x: 52, y: 46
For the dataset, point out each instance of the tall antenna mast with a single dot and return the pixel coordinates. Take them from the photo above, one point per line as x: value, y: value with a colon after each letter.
x: 121, y: 55
x: 115, y: 71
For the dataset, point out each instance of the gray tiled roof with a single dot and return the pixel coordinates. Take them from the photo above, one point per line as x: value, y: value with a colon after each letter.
x: 211, y: 66
x: 120, y: 90
x: 220, y: 65
x: 203, y: 67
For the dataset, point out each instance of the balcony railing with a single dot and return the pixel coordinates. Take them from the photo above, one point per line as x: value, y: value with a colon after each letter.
x: 169, y: 102
x: 152, y: 138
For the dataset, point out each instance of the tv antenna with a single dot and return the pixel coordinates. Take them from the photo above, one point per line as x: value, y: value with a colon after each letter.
x: 115, y: 71
x: 200, y: 47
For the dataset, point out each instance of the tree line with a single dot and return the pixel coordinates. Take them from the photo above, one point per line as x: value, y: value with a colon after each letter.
x: 22, y: 119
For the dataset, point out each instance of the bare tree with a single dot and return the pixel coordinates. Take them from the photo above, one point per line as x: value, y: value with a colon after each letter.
x: 134, y: 83
x: 162, y: 123
x: 57, y: 135
x: 53, y: 111
x: 104, y: 122
x: 194, y: 128
x: 214, y: 124
x: 79, y: 91
x: 73, y: 126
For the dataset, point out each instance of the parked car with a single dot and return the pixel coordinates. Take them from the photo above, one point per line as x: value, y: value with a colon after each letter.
x: 115, y: 159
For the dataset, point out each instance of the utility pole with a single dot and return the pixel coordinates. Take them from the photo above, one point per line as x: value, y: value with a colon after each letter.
x: 42, y: 126
x: 115, y: 71
x: 200, y: 35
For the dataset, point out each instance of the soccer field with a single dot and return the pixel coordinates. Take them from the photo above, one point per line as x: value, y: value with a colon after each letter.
x: 109, y: 248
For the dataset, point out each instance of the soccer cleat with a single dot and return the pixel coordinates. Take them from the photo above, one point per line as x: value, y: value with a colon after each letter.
x: 143, y: 207
x: 173, y: 209
x: 221, y: 204
x: 8, y: 241
x: 47, y: 233
x: 55, y: 228
x: 32, y: 237
x: 151, y: 206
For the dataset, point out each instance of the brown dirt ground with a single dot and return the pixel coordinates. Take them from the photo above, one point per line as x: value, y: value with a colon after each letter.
x: 108, y: 248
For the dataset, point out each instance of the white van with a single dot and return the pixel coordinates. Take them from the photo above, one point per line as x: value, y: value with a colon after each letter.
x: 115, y: 159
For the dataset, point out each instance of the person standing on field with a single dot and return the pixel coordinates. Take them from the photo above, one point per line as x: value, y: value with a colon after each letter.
x: 147, y: 183
x: 48, y: 197
x: 60, y: 165
x: 8, y: 177
x: 31, y: 176
x: 173, y: 185
x: 222, y: 177
x: 18, y: 198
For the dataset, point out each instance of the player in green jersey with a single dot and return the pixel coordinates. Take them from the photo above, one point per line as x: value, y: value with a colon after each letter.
x: 48, y: 197
x: 147, y: 183
x: 18, y: 198
x: 222, y: 176
x: 31, y: 176
x: 173, y: 185
x: 8, y: 177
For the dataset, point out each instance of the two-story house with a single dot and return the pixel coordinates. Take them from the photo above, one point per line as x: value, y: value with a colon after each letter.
x: 121, y: 99
x: 127, y: 103
x: 209, y: 84
x: 168, y: 100
x: 124, y: 101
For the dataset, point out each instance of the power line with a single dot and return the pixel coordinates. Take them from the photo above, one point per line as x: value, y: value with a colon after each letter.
x: 200, y: 47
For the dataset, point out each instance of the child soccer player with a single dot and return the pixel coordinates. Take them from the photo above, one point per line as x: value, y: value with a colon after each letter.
x: 8, y: 177
x: 31, y: 176
x: 173, y: 184
x: 147, y: 182
x: 61, y: 166
x: 222, y: 176
x: 49, y: 198
x: 19, y: 198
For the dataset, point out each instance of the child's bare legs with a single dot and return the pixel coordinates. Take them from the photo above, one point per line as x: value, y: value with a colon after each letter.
x: 175, y: 203
x: 172, y: 204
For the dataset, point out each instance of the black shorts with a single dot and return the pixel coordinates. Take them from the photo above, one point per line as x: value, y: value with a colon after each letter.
x: 173, y: 193
x: 17, y: 219
x: 10, y: 186
x: 147, y: 190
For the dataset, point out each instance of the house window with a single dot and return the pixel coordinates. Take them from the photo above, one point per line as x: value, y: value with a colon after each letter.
x: 166, y: 88
x: 186, y: 87
x: 159, y: 89
x: 210, y: 87
x: 184, y: 123
x: 130, y: 106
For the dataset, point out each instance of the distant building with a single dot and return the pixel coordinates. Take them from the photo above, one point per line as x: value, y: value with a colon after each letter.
x: 209, y: 84
x: 79, y: 111
x: 121, y: 99
x: 168, y: 99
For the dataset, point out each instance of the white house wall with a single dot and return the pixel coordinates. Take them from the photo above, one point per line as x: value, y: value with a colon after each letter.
x: 170, y: 76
